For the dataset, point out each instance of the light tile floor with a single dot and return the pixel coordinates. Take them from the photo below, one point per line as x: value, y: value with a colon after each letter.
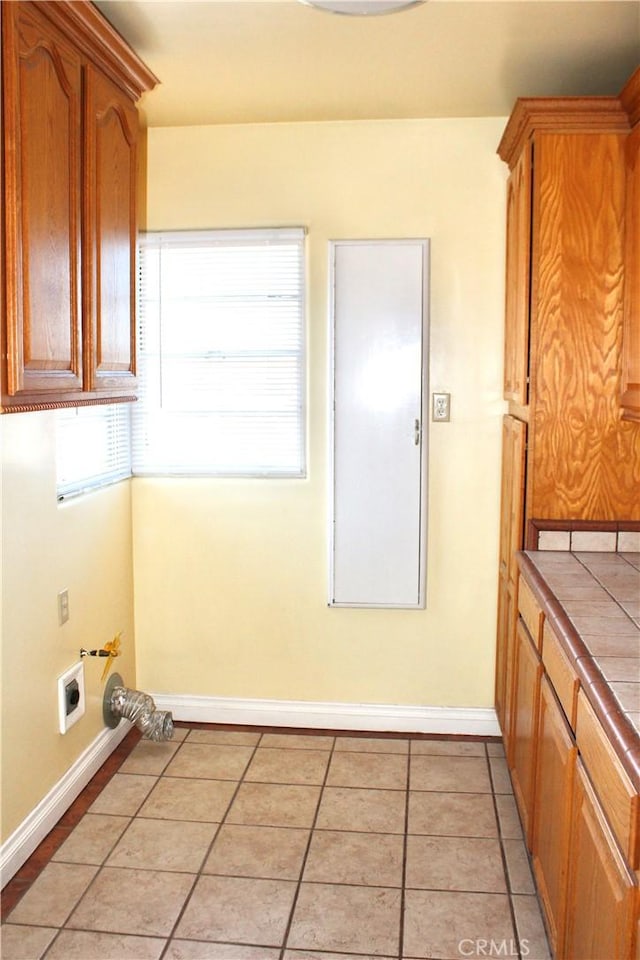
x: 226, y: 845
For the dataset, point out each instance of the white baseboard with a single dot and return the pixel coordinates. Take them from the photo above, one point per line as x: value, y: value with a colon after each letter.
x: 35, y: 827
x: 377, y: 717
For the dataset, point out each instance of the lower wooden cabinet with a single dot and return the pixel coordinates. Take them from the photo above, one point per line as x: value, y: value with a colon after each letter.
x: 551, y: 822
x: 601, y: 892
x: 579, y: 809
x: 527, y: 673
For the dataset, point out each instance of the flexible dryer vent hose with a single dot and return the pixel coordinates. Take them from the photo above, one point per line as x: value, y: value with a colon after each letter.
x: 137, y: 707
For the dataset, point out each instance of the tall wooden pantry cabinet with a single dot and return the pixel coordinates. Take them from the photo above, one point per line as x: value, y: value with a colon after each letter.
x: 571, y: 288
x: 571, y: 452
x: 69, y: 140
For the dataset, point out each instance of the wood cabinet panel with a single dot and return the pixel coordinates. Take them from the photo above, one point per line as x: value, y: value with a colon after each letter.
x: 555, y: 764
x: 577, y: 441
x: 518, y: 264
x: 514, y: 440
x: 631, y: 341
x: 601, y: 889
x: 511, y: 539
x: 521, y: 755
x: 110, y: 229
x: 42, y: 156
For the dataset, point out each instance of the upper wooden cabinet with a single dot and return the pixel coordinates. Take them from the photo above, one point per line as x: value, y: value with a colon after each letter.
x: 567, y: 207
x: 69, y: 133
x: 631, y: 357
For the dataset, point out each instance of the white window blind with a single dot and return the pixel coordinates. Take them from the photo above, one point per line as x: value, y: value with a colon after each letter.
x: 93, y: 447
x: 221, y: 354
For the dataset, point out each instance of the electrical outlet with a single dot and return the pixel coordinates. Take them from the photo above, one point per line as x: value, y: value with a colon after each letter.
x: 441, y: 409
x: 63, y: 606
x: 71, y: 698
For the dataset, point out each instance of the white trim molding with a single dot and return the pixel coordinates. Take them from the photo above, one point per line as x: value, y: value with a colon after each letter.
x: 375, y: 717
x: 43, y: 818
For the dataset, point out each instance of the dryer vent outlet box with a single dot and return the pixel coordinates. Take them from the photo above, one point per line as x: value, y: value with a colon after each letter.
x: 71, y: 700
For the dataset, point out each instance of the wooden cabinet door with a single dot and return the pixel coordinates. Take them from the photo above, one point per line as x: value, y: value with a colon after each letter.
x: 111, y: 124
x: 631, y: 341
x: 521, y: 752
x: 515, y: 492
x: 42, y: 209
x: 583, y: 462
x: 514, y: 436
x: 511, y: 533
x: 555, y: 765
x: 516, y: 342
x: 601, y: 889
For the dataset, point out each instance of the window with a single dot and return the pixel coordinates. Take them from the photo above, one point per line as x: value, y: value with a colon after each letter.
x: 221, y: 354
x: 93, y: 447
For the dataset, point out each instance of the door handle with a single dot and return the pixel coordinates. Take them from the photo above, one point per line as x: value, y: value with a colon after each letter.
x: 416, y: 432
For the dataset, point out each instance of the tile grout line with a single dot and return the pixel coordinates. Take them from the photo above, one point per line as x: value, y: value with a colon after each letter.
x: 405, y: 841
x: 199, y: 874
x: 503, y: 855
x: 100, y: 866
x: 11, y: 888
x: 303, y: 865
x: 103, y: 865
x: 595, y: 576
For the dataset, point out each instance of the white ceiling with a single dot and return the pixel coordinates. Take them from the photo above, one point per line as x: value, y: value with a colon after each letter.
x: 248, y: 61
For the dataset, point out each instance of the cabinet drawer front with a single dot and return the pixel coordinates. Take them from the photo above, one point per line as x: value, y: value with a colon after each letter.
x: 530, y: 611
x: 564, y: 681
x: 615, y: 790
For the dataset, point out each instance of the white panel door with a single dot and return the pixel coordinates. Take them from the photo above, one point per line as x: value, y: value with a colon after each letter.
x: 379, y: 384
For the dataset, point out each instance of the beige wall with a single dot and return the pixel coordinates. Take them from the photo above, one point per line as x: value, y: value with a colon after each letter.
x: 85, y: 546
x: 231, y: 576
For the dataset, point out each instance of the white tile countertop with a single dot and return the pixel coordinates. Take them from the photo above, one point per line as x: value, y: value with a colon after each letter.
x: 600, y: 594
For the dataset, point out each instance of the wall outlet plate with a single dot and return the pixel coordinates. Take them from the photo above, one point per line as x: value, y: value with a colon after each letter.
x: 71, y: 697
x: 441, y: 406
x: 63, y: 607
